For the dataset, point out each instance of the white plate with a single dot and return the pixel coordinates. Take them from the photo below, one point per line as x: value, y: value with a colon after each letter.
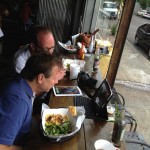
x: 65, y: 47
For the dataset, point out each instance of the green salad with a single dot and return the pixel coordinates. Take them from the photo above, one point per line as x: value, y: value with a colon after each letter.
x: 57, y: 125
x: 68, y: 66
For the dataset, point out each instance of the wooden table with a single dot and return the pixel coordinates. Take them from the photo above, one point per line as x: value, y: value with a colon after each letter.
x: 90, y: 131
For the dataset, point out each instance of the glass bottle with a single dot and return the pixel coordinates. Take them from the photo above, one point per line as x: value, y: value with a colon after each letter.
x: 96, y: 58
x: 90, y: 49
x: 119, y: 128
x: 81, y: 52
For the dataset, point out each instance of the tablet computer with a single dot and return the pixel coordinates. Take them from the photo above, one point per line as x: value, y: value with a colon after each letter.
x: 96, y: 105
x: 67, y: 91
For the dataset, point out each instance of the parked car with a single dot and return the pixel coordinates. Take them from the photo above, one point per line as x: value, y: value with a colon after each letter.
x: 147, y: 15
x: 141, y: 13
x: 142, y: 37
x: 111, y: 8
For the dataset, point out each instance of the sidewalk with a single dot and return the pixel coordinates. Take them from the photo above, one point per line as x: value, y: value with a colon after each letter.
x: 133, y: 66
x: 133, y: 82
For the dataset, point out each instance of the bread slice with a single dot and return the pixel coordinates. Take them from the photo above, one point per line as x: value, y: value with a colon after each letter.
x: 73, y: 110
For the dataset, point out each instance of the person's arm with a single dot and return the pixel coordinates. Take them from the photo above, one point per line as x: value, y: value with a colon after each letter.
x: 5, y: 147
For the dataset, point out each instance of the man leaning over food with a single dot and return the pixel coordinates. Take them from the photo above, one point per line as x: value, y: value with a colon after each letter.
x: 40, y: 74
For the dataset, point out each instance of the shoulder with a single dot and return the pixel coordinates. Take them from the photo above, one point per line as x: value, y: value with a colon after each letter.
x: 18, y: 90
x: 17, y: 98
x: 22, y: 53
x: 20, y: 59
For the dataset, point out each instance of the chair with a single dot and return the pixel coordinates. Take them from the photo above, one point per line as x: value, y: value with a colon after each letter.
x: 135, y: 141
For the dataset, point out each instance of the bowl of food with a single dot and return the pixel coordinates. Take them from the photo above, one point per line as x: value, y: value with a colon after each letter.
x: 68, y: 47
x: 59, y: 124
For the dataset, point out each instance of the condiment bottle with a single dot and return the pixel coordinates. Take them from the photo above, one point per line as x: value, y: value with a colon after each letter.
x: 118, y: 129
x: 90, y: 49
x: 81, y: 52
x: 96, y: 58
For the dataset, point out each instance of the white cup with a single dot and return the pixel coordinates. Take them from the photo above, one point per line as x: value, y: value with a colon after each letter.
x: 74, y: 70
x: 104, y: 145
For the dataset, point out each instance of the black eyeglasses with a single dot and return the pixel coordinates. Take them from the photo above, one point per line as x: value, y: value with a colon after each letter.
x: 46, y: 49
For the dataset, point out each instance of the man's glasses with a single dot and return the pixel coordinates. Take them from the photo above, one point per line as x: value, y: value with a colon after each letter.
x: 46, y: 49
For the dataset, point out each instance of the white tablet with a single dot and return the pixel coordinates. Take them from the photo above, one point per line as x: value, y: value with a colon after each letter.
x: 67, y: 91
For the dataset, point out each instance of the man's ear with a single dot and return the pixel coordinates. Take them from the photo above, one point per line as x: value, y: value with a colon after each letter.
x: 40, y: 78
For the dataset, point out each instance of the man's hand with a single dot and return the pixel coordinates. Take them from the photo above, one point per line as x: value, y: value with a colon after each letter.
x: 62, y: 74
